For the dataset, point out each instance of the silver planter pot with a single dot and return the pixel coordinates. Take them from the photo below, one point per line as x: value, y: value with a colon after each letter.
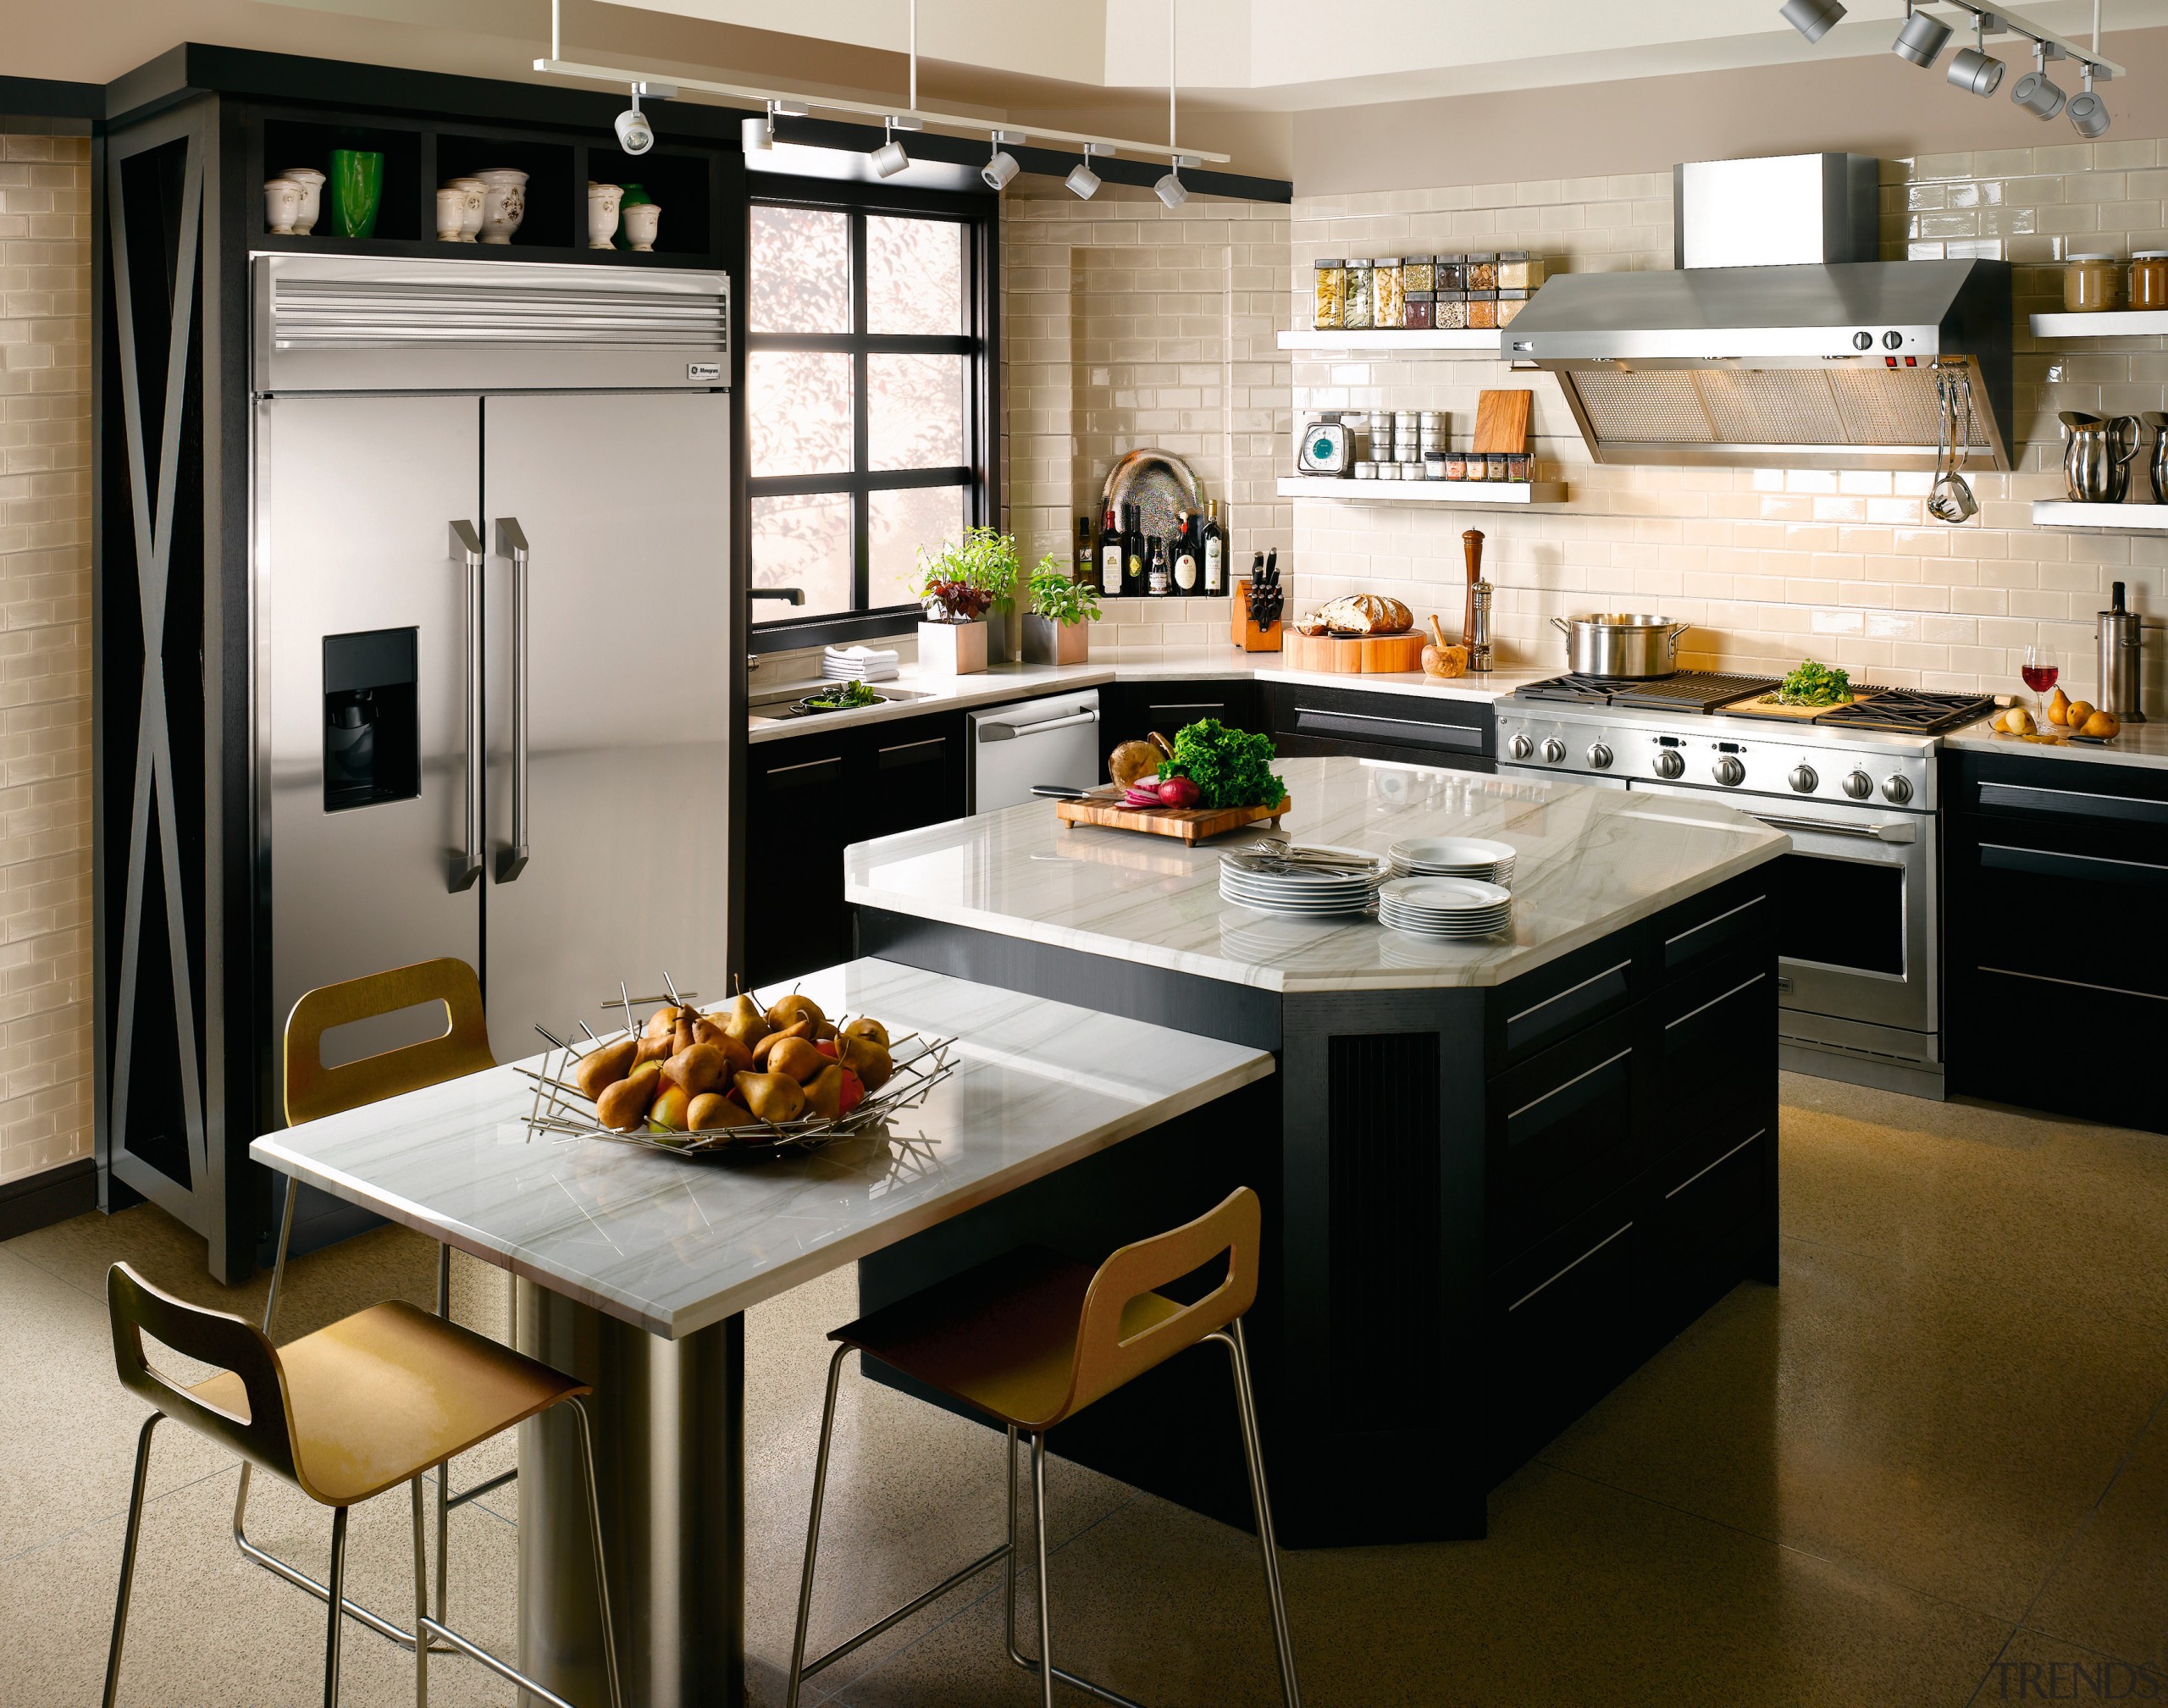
x: 1619, y: 644
x: 1048, y: 641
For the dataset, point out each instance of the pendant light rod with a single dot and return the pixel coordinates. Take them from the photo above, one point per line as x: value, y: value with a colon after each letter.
x: 914, y: 51
x: 2001, y: 20
x: 1170, y: 76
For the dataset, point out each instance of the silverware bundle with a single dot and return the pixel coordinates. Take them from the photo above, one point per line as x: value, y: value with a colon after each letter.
x: 1267, y: 857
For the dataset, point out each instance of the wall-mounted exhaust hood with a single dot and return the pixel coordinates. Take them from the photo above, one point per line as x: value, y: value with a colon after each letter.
x: 1823, y: 364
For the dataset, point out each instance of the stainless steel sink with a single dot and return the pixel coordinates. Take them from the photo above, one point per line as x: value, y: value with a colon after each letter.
x: 776, y: 702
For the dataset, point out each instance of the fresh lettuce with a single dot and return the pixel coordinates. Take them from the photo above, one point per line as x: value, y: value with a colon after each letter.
x: 1814, y: 685
x: 1229, y: 767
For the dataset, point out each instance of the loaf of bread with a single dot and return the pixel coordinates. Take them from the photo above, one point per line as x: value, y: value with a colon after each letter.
x: 1366, y: 613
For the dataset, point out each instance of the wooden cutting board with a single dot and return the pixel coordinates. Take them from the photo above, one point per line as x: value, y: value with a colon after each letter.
x: 1355, y: 654
x: 1501, y: 420
x: 1753, y: 706
x: 1193, y: 823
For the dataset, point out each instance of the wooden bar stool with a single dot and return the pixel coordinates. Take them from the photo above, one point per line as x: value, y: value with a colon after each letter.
x: 344, y: 1414
x: 314, y: 1090
x: 1031, y: 1339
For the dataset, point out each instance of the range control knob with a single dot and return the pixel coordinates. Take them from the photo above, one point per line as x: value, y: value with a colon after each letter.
x: 1805, y: 780
x: 1554, y: 750
x: 1669, y: 762
x: 1599, y: 756
x: 1522, y: 747
x: 1730, y: 773
x: 1898, y: 789
x: 1863, y: 340
x: 1859, y: 785
x: 1893, y: 340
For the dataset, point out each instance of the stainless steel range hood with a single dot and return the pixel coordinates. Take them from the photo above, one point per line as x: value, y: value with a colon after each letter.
x: 1827, y: 364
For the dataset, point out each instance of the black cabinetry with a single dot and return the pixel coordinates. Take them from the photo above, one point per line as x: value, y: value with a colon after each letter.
x: 2055, y: 934
x: 812, y: 796
x: 1414, y: 729
x: 1131, y: 710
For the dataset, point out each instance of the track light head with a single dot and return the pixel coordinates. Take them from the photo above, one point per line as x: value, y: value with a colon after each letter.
x: 2038, y: 95
x: 1083, y: 181
x: 998, y: 170
x: 889, y: 158
x: 1974, y: 72
x: 756, y: 137
x: 2089, y: 114
x: 1171, y: 189
x: 635, y: 136
x: 1922, y: 39
x: 1813, y: 19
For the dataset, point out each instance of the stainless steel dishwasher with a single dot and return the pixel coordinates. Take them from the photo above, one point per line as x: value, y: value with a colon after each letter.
x: 1054, y: 740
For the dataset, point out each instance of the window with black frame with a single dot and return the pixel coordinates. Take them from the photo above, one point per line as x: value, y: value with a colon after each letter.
x: 868, y: 397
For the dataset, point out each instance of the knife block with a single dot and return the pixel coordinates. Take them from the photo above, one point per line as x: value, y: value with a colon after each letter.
x: 1249, y: 635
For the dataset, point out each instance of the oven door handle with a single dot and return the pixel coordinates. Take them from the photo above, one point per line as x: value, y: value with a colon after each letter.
x: 1822, y: 827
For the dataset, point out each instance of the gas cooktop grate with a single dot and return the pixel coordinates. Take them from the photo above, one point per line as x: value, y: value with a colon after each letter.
x: 1908, y: 711
x: 1690, y: 690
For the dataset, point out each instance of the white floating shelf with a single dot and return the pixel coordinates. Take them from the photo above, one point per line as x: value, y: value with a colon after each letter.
x: 2109, y: 518
x: 1474, y: 495
x: 2124, y: 322
x: 1437, y: 343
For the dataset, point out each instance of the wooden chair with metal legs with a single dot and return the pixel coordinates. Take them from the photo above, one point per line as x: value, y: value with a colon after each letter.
x: 1031, y: 1339
x: 345, y: 1414
x: 314, y: 1090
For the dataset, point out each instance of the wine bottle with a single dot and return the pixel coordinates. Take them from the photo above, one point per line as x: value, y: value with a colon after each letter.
x: 1186, y: 551
x: 1213, y: 551
x: 1087, y: 560
x: 1133, y: 546
x: 1110, y: 557
x: 1158, y: 584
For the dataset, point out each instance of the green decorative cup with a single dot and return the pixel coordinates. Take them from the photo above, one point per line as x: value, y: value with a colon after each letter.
x: 355, y: 191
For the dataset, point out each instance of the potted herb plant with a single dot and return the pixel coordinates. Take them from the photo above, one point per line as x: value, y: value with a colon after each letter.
x: 951, y: 632
x: 1055, y: 629
x: 984, y: 559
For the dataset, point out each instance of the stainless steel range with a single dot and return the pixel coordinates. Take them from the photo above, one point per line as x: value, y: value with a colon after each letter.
x: 1859, y: 982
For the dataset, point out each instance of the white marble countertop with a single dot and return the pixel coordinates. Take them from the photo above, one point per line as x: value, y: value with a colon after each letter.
x: 1010, y: 681
x: 673, y: 1246
x: 2139, y: 745
x: 1591, y: 861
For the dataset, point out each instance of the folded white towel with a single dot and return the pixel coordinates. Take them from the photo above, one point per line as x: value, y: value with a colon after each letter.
x: 868, y: 655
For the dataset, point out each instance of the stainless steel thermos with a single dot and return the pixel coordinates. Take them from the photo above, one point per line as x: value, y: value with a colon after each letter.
x: 2123, y: 663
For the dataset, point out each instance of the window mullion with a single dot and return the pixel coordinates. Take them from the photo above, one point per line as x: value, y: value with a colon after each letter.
x: 861, y: 434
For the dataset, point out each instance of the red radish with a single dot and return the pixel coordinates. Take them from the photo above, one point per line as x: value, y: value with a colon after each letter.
x: 1178, y: 792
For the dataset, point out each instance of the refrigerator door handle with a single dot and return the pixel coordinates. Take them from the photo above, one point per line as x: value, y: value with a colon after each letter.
x: 466, y: 862
x: 511, y: 543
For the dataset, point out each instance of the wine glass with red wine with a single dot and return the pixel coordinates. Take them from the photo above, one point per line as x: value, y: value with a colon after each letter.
x: 2040, y: 671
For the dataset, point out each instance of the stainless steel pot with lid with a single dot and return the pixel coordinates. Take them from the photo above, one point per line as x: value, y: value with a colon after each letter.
x: 1621, y: 644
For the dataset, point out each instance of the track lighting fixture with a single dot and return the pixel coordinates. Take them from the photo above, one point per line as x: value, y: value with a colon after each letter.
x: 889, y: 158
x: 1922, y: 38
x: 635, y: 135
x: 759, y: 134
x: 2089, y: 113
x: 998, y: 171
x: 1974, y: 69
x: 2036, y: 91
x: 1813, y: 19
x: 1171, y: 189
x: 1083, y: 182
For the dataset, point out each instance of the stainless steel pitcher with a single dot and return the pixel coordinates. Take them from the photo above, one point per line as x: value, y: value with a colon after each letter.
x: 2097, y: 455
x: 2159, y: 422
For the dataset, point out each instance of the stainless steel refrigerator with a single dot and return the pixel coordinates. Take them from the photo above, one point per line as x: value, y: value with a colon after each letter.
x: 494, y: 630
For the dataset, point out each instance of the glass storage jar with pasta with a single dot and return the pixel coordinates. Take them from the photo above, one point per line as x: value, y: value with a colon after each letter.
x: 1355, y: 317
x: 1328, y: 314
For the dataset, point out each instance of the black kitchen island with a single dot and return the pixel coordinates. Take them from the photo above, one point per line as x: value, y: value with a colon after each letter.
x: 1498, y: 1175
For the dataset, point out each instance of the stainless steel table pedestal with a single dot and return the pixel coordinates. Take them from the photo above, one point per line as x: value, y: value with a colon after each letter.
x: 670, y: 1455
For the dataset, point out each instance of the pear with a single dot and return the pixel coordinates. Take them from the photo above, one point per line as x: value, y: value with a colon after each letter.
x: 869, y: 1060
x: 697, y: 1068
x: 866, y: 1026
x: 736, y: 1057
x: 658, y: 1047
x: 790, y: 1009
x: 622, y: 1106
x: 772, y: 1096
x: 824, y: 1092
x: 760, y: 1050
x: 2058, y: 707
x: 710, y: 1111
x: 799, y: 1058
x: 743, y: 1020
x: 602, y: 1067
x: 662, y: 1022
x: 668, y: 1110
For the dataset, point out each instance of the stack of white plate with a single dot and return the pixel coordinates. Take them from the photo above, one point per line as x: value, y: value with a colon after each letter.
x: 1320, y: 890
x: 1454, y: 857
x: 1433, y: 907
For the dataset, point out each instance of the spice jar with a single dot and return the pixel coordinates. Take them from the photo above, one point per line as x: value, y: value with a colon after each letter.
x: 1388, y: 294
x: 1422, y: 307
x: 1355, y: 314
x: 1450, y: 312
x: 1496, y: 468
x: 1482, y: 310
x: 1456, y: 465
x: 1419, y: 272
x: 1481, y: 271
x: 1331, y: 296
x: 2150, y: 279
x: 1445, y: 274
x: 1517, y: 272
x: 2090, y: 283
x: 1510, y: 303
x: 1434, y: 465
x: 1518, y: 465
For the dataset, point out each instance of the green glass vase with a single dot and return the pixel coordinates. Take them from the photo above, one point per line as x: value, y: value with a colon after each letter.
x: 355, y: 190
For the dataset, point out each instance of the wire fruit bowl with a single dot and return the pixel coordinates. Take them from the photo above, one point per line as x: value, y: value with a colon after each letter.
x: 561, y: 1112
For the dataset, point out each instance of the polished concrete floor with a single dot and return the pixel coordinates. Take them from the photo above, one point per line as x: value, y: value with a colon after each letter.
x: 1932, y: 1468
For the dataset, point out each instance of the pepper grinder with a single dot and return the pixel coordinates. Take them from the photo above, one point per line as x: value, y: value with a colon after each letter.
x: 1479, y: 626
x: 2123, y: 661
x: 1471, y: 545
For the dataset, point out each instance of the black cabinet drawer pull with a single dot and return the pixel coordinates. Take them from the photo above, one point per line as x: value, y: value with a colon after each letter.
x: 811, y: 771
x: 926, y: 752
x: 1192, y: 705
x: 1585, y: 1073
x: 2052, y: 863
x: 1459, y: 736
x: 1718, y: 1164
x: 2075, y: 803
x: 1569, y: 1268
x: 1675, y: 948
x: 2074, y: 984
x: 1713, y: 1001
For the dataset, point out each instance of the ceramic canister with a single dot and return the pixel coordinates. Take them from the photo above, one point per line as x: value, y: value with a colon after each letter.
x: 451, y: 214
x: 602, y: 203
x: 312, y: 183
x: 504, y: 203
x: 282, y: 204
x: 477, y: 194
x: 641, y: 220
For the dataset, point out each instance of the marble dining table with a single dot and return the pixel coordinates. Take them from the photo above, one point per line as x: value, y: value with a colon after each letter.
x: 634, y: 1267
